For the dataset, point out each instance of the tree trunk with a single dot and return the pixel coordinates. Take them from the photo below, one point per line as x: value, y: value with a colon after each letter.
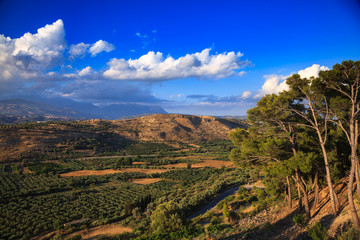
x: 354, y: 215
x: 306, y: 204
x: 316, y: 190
x: 300, y: 204
x: 289, y: 197
x: 306, y: 198
x: 357, y: 176
x: 333, y: 196
x: 353, y: 145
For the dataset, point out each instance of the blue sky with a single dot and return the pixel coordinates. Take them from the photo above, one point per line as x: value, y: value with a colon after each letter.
x: 193, y: 57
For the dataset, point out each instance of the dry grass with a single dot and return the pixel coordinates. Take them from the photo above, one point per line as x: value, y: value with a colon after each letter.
x: 141, y: 163
x: 110, y: 171
x: 110, y: 229
x: 145, y: 181
x: 90, y: 172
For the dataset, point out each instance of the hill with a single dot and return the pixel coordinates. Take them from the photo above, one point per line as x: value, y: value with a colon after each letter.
x: 91, y: 137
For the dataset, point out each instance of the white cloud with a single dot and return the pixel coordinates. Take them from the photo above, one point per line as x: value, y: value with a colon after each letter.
x: 312, y: 71
x: 176, y: 95
x: 28, y: 56
x: 154, y: 67
x: 101, y: 46
x: 277, y: 83
x: 48, y: 43
x: 245, y: 94
x: 141, y: 35
x: 86, y: 71
x: 78, y: 49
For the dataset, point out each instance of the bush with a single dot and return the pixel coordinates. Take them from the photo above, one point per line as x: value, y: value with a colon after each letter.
x: 165, y: 219
x: 300, y: 220
x: 350, y: 234
x: 243, y: 192
x: 215, y: 220
x: 260, y: 194
x: 317, y: 232
x: 225, y: 210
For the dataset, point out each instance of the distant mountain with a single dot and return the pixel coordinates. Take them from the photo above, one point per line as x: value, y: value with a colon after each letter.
x: 23, y: 110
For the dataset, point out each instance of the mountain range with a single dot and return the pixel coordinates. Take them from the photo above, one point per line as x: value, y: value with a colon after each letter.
x: 24, y: 110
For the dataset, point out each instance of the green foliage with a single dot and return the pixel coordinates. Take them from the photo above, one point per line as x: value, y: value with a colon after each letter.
x: 260, y: 194
x: 190, y: 175
x: 27, y: 205
x: 165, y: 218
x: 225, y: 210
x: 215, y: 220
x: 317, y: 232
x: 143, y: 148
x: 46, y: 168
x: 300, y: 220
x: 349, y: 234
x: 123, y: 162
x: 243, y: 192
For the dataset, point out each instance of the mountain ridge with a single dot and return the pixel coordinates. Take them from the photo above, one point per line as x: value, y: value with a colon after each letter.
x: 19, y: 110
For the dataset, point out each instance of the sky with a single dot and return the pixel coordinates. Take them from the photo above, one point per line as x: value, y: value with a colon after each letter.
x: 191, y: 57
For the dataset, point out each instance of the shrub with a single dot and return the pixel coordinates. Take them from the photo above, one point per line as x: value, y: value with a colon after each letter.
x: 225, y: 210
x: 317, y: 232
x: 300, y: 220
x: 350, y: 234
x: 215, y: 220
x: 243, y: 192
x: 165, y: 218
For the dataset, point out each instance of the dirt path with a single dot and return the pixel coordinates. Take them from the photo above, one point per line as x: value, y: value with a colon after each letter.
x: 216, y: 200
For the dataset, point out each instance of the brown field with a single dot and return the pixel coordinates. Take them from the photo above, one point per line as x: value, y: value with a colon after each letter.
x: 90, y: 172
x: 141, y: 163
x: 206, y: 163
x: 145, y: 181
x: 110, y: 171
x: 110, y: 229
x: 144, y: 170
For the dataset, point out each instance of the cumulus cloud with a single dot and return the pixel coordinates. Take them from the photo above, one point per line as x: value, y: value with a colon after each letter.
x: 79, y: 49
x: 277, y: 83
x: 31, y: 54
x: 36, y: 64
x: 85, y: 71
x: 44, y: 46
x: 245, y: 94
x: 154, y: 67
x: 312, y: 71
x: 100, y: 46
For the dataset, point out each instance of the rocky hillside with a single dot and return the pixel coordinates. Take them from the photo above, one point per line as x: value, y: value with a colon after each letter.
x: 93, y: 136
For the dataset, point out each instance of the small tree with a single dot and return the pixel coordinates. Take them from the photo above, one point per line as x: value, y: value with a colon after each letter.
x: 225, y: 210
x: 165, y: 218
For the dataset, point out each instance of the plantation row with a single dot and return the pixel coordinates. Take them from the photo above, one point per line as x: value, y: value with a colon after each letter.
x: 12, y: 185
x: 33, y: 204
x: 24, y: 217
